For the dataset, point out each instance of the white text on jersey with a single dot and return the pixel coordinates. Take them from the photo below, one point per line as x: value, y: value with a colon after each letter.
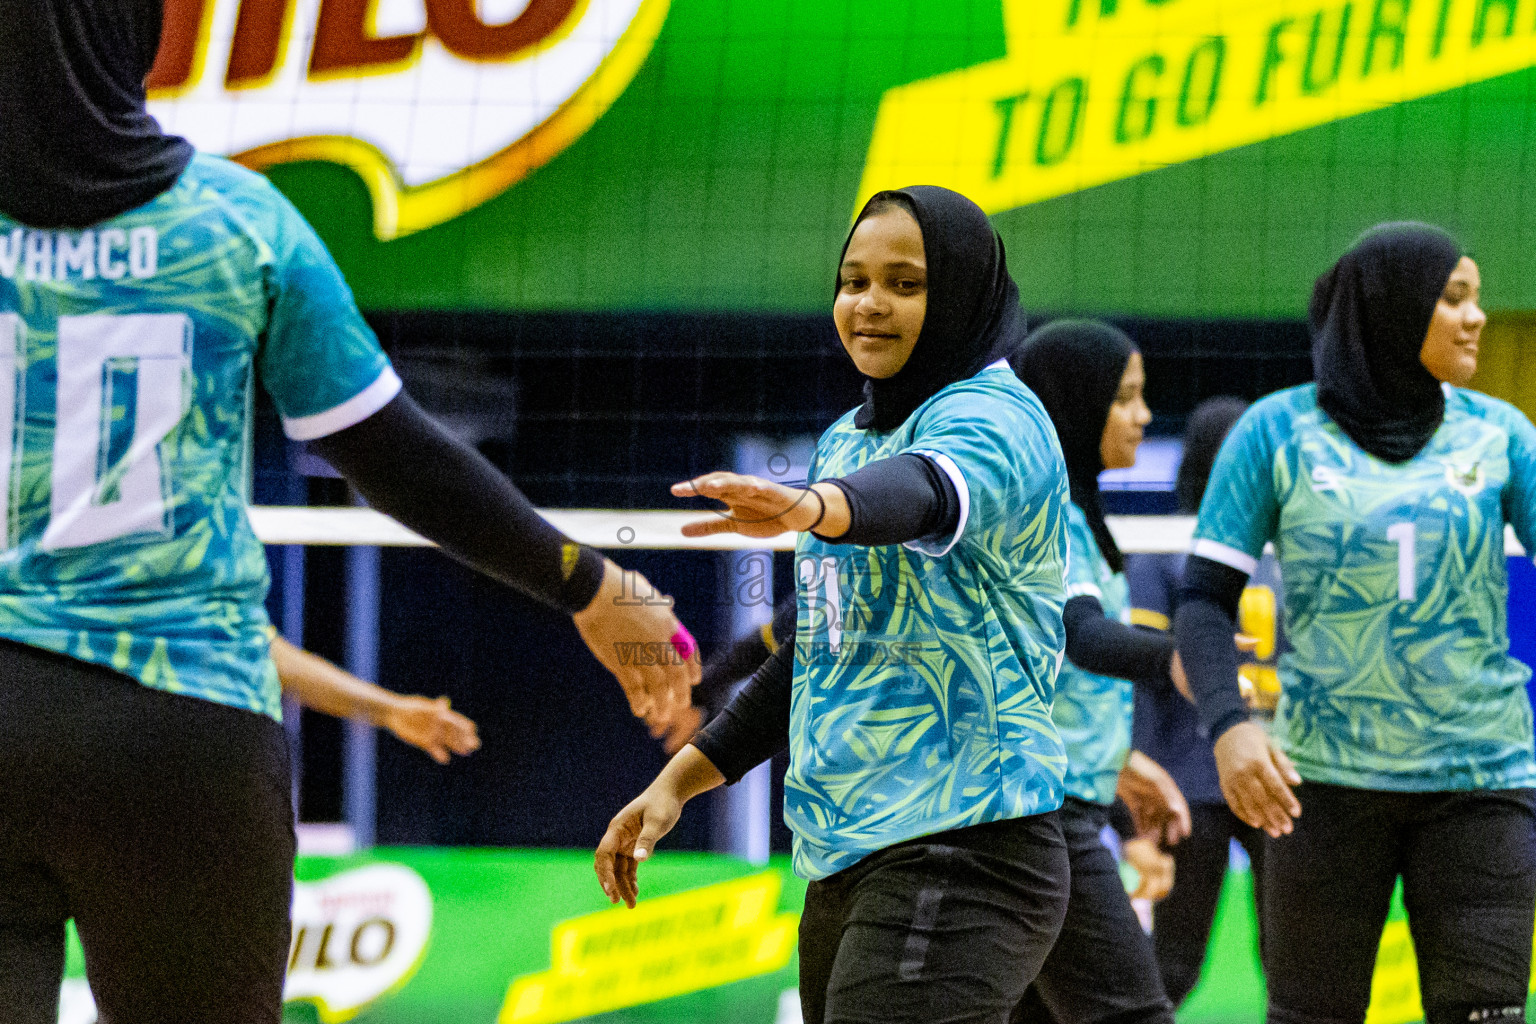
x: 106, y: 253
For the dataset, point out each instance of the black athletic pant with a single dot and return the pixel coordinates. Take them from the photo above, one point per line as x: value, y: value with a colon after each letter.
x: 1468, y: 864
x: 1181, y: 923
x: 162, y: 824
x: 946, y: 929
x: 1102, y: 968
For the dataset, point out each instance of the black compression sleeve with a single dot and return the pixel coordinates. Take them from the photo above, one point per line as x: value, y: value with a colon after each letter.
x: 755, y: 724
x: 895, y: 500
x: 1109, y: 648
x: 409, y: 467
x: 740, y: 659
x: 1203, y: 626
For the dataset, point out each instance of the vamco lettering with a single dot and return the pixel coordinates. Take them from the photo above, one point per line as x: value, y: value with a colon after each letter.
x: 61, y: 256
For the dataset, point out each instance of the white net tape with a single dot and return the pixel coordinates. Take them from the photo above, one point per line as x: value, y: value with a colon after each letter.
x: 617, y: 529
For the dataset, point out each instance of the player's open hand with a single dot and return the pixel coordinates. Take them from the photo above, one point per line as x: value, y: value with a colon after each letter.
x: 1158, y: 808
x: 630, y: 629
x: 433, y: 726
x: 631, y: 838
x: 1256, y: 779
x: 754, y: 507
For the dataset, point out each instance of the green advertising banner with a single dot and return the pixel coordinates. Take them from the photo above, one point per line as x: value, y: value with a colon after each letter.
x: 1156, y: 157
x: 458, y: 936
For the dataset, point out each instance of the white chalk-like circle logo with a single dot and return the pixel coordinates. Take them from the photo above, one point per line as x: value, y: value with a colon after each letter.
x: 356, y: 937
x: 439, y: 105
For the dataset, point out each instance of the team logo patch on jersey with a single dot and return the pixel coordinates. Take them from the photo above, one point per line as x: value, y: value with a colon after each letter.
x: 1326, y: 479
x: 1468, y: 479
x: 438, y: 105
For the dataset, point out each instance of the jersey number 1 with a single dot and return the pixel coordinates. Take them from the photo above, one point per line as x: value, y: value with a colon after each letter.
x: 98, y: 493
x: 1407, y: 578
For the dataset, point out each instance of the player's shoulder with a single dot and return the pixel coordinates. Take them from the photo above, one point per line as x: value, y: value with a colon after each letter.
x: 1483, y: 407
x: 246, y: 196
x: 994, y: 399
x: 1284, y: 406
x: 1275, y: 418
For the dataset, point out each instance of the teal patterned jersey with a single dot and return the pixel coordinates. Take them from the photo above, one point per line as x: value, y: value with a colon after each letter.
x: 1094, y: 713
x: 1399, y: 675
x: 128, y: 354
x: 924, y: 672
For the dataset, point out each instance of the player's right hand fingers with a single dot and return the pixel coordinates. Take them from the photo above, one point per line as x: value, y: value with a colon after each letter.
x: 1279, y: 794
x: 604, y: 860
x: 1288, y: 772
x: 626, y: 880
x: 1267, y: 795
x: 1238, y: 802
x: 710, y: 527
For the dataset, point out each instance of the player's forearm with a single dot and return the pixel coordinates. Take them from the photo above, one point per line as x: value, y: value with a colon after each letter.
x: 891, y: 501
x: 322, y: 686
x: 409, y: 467
x: 755, y: 725
x: 688, y: 774
x: 1109, y: 648
x: 1203, y: 628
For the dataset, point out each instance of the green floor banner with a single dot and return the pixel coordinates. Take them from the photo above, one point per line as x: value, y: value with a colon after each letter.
x: 433, y: 936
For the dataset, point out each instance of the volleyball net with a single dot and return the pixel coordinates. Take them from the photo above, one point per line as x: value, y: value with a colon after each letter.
x: 646, y: 529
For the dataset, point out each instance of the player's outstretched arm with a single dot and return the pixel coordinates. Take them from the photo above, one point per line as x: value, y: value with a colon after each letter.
x: 906, y: 497
x: 427, y: 724
x: 633, y: 833
x: 409, y: 467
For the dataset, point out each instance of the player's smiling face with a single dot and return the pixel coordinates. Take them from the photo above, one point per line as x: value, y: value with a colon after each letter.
x: 882, y: 292
x: 1450, y: 347
x: 1128, y: 417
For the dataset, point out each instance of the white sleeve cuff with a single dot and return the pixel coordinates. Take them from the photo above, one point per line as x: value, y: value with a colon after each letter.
x: 1226, y: 555
x: 349, y: 413
x: 935, y: 547
x: 1084, y: 590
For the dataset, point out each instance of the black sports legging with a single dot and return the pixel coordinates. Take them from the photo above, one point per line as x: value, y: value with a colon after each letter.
x: 1181, y: 923
x: 1468, y: 864
x: 1101, y: 970
x: 162, y: 824
x: 946, y: 929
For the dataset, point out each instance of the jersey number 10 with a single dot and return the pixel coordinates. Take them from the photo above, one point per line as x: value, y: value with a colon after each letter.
x: 104, y: 485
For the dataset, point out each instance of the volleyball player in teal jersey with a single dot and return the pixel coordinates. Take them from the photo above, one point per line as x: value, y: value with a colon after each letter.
x: 144, y: 290
x: 924, y: 768
x: 1090, y: 378
x: 1403, y: 733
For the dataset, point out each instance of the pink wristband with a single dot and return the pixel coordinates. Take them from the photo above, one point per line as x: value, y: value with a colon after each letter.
x: 684, y: 643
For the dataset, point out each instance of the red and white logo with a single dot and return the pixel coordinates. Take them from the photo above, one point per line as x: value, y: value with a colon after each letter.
x: 439, y: 105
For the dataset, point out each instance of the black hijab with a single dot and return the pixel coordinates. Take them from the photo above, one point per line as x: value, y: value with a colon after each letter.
x: 1369, y: 316
x: 1074, y: 367
x: 79, y: 145
x: 973, y: 317
x: 1208, y: 426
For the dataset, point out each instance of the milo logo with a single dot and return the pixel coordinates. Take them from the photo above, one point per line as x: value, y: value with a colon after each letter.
x: 438, y: 105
